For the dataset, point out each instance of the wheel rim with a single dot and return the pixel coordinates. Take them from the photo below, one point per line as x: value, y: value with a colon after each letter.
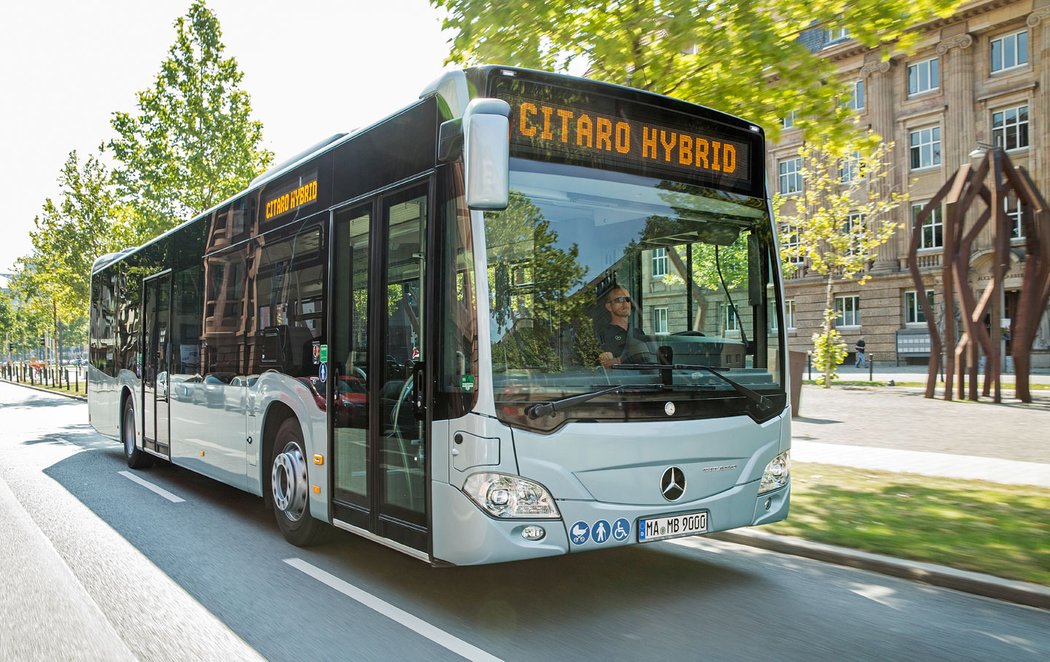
x: 129, y: 431
x: 289, y: 482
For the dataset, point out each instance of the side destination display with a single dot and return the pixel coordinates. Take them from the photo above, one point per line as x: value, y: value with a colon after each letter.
x: 597, y: 130
x: 291, y: 196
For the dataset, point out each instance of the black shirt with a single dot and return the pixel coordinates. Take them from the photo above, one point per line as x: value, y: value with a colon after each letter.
x: 626, y: 345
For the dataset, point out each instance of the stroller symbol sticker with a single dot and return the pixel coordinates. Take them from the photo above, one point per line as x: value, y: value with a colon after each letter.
x: 579, y: 533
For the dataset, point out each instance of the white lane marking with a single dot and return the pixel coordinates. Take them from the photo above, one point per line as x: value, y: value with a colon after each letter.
x: 151, y: 487
x: 884, y: 595
x: 417, y: 625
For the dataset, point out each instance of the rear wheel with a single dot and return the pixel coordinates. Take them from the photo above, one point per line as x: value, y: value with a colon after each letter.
x: 135, y: 456
x: 290, y: 488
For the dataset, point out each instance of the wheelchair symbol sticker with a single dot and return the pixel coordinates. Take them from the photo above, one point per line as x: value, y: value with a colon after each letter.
x: 621, y: 529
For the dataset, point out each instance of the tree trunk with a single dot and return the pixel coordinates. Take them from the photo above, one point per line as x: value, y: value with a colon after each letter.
x: 829, y: 304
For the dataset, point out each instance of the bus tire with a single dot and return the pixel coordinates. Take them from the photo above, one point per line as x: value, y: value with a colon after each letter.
x: 290, y: 487
x: 135, y: 456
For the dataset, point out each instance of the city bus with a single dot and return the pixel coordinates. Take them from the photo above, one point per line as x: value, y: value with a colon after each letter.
x: 528, y: 315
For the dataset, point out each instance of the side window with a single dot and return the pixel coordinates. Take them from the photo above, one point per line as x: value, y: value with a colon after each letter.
x: 458, y: 339
x: 186, y: 309
x: 226, y: 316
x: 289, y: 302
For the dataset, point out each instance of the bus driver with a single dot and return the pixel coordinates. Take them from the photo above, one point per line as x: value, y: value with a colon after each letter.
x: 619, y: 343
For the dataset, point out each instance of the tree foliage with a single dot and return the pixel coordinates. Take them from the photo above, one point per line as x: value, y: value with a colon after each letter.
x: 192, y: 142
x: 720, y: 53
x: 838, y: 222
x: 53, y: 282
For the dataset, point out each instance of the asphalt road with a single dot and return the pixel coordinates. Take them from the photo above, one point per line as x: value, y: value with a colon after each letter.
x: 98, y: 567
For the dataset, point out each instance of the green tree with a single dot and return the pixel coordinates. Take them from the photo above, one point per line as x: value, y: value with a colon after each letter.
x: 838, y: 222
x: 53, y: 282
x: 192, y: 142
x: 718, y: 53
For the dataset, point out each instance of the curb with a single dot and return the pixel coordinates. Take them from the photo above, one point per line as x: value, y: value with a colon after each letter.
x: 71, y: 396
x: 1018, y: 592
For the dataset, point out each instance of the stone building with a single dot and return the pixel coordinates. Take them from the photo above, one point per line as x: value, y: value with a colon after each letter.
x: 980, y: 77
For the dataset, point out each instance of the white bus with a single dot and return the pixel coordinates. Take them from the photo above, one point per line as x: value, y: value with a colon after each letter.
x: 528, y: 315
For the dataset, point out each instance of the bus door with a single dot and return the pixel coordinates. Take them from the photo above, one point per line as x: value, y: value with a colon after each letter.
x: 156, y: 325
x: 379, y: 316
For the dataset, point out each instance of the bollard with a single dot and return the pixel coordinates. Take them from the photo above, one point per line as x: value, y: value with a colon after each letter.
x: 76, y: 379
x: 871, y: 365
x: 809, y: 364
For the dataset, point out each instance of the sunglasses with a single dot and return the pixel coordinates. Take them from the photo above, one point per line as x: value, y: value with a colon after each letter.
x: 621, y: 299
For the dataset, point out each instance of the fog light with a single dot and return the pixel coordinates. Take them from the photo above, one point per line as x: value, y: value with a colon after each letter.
x: 533, y: 533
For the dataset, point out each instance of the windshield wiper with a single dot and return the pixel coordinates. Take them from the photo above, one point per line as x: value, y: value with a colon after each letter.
x: 548, y: 407
x: 763, y: 403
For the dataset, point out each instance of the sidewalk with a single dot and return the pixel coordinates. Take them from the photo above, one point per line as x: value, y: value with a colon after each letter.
x: 898, y: 429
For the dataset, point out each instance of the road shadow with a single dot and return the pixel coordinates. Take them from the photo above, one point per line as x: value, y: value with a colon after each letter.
x: 41, y: 403
x: 222, y: 543
x: 816, y: 421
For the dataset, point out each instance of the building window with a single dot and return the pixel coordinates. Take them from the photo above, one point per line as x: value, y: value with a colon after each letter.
x: 854, y: 229
x: 847, y: 311
x: 836, y: 34
x: 790, y: 176
x: 789, y: 120
x: 913, y: 312
x: 1012, y: 205
x: 1010, y: 51
x: 789, y: 313
x: 659, y: 320
x: 856, y: 98
x: 932, y: 230
x: 923, y: 77
x: 925, y: 146
x: 659, y: 262
x: 789, y: 243
x: 849, y: 168
x: 729, y: 322
x: 1010, y: 128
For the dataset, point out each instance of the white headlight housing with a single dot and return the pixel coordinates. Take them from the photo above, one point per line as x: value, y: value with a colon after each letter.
x: 510, y: 497
x: 776, y: 473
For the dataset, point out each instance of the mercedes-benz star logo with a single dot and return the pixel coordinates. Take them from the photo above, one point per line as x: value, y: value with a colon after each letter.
x: 672, y: 485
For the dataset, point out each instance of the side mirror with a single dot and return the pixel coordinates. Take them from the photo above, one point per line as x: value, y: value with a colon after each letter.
x: 486, y: 153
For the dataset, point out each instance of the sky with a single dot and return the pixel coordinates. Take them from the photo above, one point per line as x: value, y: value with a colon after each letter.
x: 312, y: 67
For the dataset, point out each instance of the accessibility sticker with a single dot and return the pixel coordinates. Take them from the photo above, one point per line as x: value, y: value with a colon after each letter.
x: 579, y: 533
x: 600, y: 531
x: 621, y: 528
x: 322, y: 372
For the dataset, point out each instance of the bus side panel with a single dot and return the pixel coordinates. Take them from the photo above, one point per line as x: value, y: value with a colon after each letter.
x: 274, y: 389
x: 103, y: 403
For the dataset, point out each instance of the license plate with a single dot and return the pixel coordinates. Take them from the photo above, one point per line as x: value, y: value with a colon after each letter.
x: 660, y: 528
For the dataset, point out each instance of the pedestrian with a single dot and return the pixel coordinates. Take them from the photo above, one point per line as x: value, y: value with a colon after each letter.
x: 859, y: 347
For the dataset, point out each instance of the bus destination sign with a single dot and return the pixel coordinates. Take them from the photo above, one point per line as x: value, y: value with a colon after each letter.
x: 606, y: 131
x: 291, y: 196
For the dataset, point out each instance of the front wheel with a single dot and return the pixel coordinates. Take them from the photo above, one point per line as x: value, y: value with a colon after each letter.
x: 135, y: 456
x: 290, y: 488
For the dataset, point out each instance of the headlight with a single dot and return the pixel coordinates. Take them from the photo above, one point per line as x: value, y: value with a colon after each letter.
x: 510, y: 496
x: 776, y: 473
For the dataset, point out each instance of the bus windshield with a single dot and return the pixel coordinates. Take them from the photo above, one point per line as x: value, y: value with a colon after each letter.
x: 600, y: 279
